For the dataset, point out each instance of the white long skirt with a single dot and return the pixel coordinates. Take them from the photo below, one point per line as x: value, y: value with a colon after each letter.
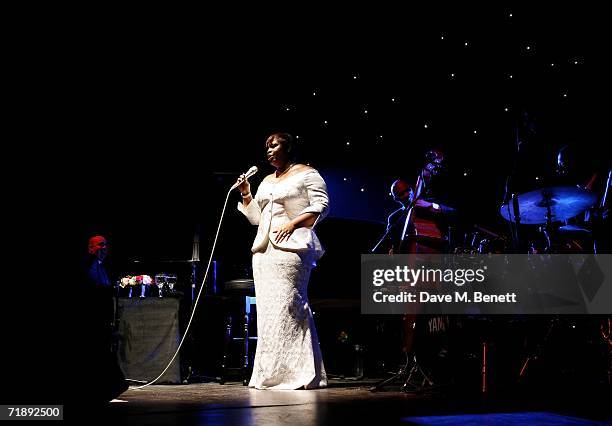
x: 288, y: 355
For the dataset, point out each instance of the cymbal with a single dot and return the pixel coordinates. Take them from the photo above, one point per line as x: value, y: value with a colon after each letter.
x: 573, y: 228
x: 563, y: 202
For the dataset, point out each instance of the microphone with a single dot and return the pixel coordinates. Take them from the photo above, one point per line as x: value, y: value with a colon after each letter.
x: 247, y: 175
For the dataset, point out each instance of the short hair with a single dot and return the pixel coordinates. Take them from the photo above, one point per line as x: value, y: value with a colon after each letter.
x: 288, y: 142
x: 396, y: 183
x: 94, y: 241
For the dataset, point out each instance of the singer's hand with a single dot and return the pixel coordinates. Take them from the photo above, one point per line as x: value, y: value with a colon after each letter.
x: 284, y: 232
x: 243, y: 184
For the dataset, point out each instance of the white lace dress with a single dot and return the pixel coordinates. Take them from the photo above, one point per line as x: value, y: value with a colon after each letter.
x: 288, y: 355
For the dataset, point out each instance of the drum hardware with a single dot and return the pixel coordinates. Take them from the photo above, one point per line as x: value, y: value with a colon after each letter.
x: 401, y: 374
x: 416, y: 372
x: 430, y: 334
x: 558, y: 335
x: 481, y: 241
x: 545, y: 232
x: 483, y: 370
x: 602, y: 211
x: 537, y: 352
x: 411, y: 374
x: 570, y: 229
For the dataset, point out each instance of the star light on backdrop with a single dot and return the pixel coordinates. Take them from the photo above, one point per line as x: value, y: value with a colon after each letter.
x: 366, y: 98
x: 510, y: 73
x: 458, y: 78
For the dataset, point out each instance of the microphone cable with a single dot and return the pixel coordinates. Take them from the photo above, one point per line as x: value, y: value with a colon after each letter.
x: 195, y: 305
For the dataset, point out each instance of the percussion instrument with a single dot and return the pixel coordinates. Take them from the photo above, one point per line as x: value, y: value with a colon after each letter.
x: 547, y: 205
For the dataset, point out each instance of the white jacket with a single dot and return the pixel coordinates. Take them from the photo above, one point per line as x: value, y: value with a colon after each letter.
x: 277, y: 203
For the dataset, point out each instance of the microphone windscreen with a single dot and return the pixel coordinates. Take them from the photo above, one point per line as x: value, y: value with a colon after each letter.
x: 252, y: 171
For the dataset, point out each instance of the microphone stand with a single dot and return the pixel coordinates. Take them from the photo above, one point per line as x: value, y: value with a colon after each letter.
x: 385, y: 235
x: 511, y: 198
x: 383, y: 238
x: 195, y: 257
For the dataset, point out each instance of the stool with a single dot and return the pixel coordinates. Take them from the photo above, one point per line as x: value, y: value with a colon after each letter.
x: 239, y: 286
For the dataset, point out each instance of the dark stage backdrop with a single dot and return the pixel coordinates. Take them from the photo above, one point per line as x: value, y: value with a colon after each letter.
x: 157, y: 125
x: 132, y: 124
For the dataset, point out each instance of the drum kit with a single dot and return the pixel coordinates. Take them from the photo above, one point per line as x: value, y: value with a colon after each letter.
x: 545, y: 220
x: 552, y: 209
x: 549, y: 222
x: 542, y: 221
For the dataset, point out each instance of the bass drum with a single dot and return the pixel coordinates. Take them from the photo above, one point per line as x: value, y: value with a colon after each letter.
x: 432, y: 346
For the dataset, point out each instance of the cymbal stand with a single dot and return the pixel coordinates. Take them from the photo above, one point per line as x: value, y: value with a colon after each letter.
x: 547, y: 228
x: 510, y: 198
x: 401, y: 374
x: 413, y: 377
x: 536, y: 352
x: 415, y: 372
x: 601, y: 209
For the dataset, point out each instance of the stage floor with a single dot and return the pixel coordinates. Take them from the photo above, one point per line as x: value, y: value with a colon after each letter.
x: 344, y: 402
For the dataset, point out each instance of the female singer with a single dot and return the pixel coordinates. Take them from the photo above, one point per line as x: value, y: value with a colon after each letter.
x: 287, y: 206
